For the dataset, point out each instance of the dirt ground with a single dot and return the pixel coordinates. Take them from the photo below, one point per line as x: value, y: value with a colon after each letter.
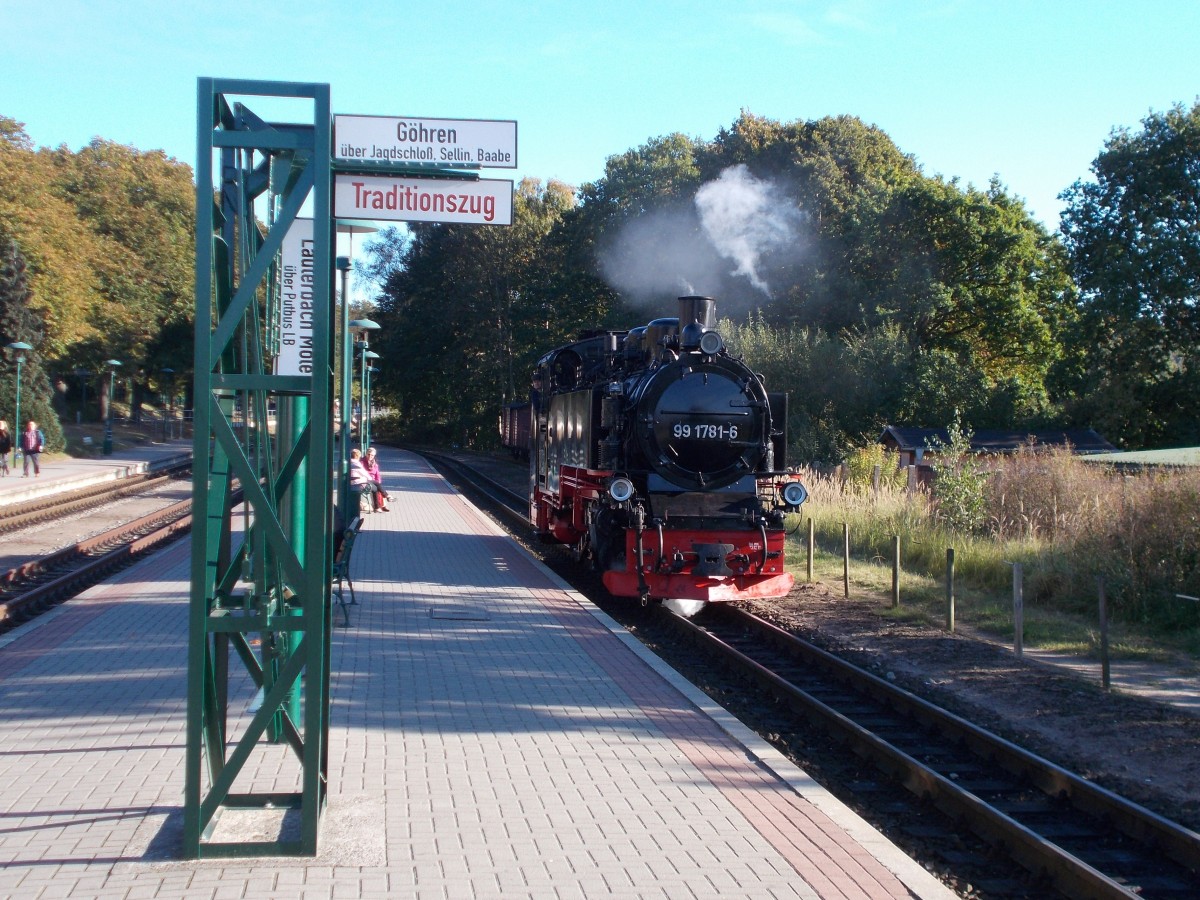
x: 1144, y: 750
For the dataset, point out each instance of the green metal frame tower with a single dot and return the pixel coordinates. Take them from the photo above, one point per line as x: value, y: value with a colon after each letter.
x: 262, y: 546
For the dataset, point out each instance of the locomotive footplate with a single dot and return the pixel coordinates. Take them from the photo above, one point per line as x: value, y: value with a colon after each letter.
x: 701, y: 565
x: 688, y: 586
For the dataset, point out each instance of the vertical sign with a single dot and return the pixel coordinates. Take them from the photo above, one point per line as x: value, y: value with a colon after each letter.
x: 296, y: 300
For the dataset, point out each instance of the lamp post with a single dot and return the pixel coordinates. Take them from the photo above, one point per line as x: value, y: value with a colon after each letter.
x: 343, y: 265
x: 170, y: 393
x: 368, y: 370
x: 18, y: 349
x: 361, y: 328
x: 83, y: 377
x: 113, y: 365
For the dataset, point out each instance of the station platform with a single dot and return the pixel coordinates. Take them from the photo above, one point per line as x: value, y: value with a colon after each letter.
x: 67, y: 473
x: 493, y: 735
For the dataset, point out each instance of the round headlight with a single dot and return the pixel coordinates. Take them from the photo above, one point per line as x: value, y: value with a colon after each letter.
x: 711, y: 343
x: 621, y: 489
x: 794, y: 493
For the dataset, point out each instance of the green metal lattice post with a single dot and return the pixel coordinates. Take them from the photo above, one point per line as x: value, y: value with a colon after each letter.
x: 262, y: 502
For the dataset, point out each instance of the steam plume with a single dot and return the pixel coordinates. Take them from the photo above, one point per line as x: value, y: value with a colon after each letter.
x: 745, y: 218
x: 737, y: 217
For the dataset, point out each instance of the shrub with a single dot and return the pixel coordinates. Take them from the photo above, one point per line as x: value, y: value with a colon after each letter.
x: 959, y: 483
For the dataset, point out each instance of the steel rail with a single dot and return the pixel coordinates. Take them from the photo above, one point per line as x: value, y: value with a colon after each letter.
x: 176, y: 520
x: 20, y: 515
x: 1035, y: 851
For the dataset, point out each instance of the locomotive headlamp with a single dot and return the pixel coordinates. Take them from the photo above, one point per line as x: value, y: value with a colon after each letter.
x: 620, y: 489
x: 794, y: 493
x: 711, y: 343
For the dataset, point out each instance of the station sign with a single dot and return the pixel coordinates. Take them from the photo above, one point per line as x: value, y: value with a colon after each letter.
x: 297, y: 257
x: 442, y: 142
x: 486, y: 201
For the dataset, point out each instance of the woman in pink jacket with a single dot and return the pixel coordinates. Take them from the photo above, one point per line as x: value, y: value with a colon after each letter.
x: 371, y: 464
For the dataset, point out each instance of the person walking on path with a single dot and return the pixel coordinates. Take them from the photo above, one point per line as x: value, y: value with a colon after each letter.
x: 6, y: 445
x: 32, y: 443
x: 371, y: 464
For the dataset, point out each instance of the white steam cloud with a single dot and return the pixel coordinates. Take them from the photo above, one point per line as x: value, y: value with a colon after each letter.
x: 745, y: 219
x: 739, y: 218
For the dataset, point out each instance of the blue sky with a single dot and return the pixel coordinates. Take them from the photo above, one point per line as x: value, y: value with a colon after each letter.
x: 1027, y: 91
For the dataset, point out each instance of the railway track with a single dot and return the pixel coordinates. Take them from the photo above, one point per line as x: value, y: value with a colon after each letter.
x: 1071, y: 837
x: 1080, y: 838
x: 34, y: 586
x: 15, y: 516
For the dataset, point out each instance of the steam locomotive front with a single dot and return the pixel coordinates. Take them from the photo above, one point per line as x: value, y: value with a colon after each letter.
x: 703, y: 422
x: 658, y: 455
x: 701, y: 419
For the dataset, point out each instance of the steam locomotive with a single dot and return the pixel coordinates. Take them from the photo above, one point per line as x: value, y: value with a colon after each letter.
x: 659, y: 458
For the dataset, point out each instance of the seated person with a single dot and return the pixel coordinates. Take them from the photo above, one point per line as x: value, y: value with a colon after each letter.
x: 361, y: 482
x: 371, y: 464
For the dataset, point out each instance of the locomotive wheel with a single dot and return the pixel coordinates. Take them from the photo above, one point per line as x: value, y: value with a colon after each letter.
x: 581, y: 549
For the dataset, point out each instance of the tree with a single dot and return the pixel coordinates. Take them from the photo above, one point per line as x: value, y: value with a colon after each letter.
x: 970, y: 277
x: 465, y: 312
x: 107, y: 236
x: 19, y: 323
x: 57, y: 246
x: 1135, y: 252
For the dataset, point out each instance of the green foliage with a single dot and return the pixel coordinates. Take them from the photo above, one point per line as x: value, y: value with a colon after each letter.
x: 465, y: 312
x: 1135, y: 252
x: 1067, y: 521
x: 863, y: 462
x: 959, y: 483
x: 107, y: 234
x: 19, y: 323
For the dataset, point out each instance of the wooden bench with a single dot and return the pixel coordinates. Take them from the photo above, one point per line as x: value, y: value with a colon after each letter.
x: 341, y: 568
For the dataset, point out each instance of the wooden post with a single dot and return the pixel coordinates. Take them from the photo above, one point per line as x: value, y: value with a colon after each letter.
x: 846, y: 559
x: 1105, y: 673
x: 950, y: 589
x: 1018, y: 609
x: 811, y: 549
x: 895, y: 571
x: 876, y: 472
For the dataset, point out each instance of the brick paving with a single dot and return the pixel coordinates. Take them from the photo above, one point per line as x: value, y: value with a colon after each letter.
x: 493, y: 735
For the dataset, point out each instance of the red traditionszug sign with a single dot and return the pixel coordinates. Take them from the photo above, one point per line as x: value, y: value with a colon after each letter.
x: 400, y: 199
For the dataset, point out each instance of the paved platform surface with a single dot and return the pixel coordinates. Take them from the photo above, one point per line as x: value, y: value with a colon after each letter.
x: 62, y: 473
x: 493, y: 735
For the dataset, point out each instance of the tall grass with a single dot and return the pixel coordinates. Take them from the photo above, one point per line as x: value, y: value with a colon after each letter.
x: 1068, y: 522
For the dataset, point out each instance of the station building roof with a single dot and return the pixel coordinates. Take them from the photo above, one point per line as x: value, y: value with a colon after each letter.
x: 1179, y: 456
x: 1083, y: 441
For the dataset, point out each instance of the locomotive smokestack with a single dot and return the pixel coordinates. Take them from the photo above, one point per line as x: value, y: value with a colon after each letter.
x: 699, y: 310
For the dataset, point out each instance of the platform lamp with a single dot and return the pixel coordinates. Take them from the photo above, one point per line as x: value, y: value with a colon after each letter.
x: 361, y: 329
x: 18, y: 349
x: 169, y: 374
x: 369, y: 357
x: 113, y: 365
x: 82, y: 375
x: 343, y: 265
